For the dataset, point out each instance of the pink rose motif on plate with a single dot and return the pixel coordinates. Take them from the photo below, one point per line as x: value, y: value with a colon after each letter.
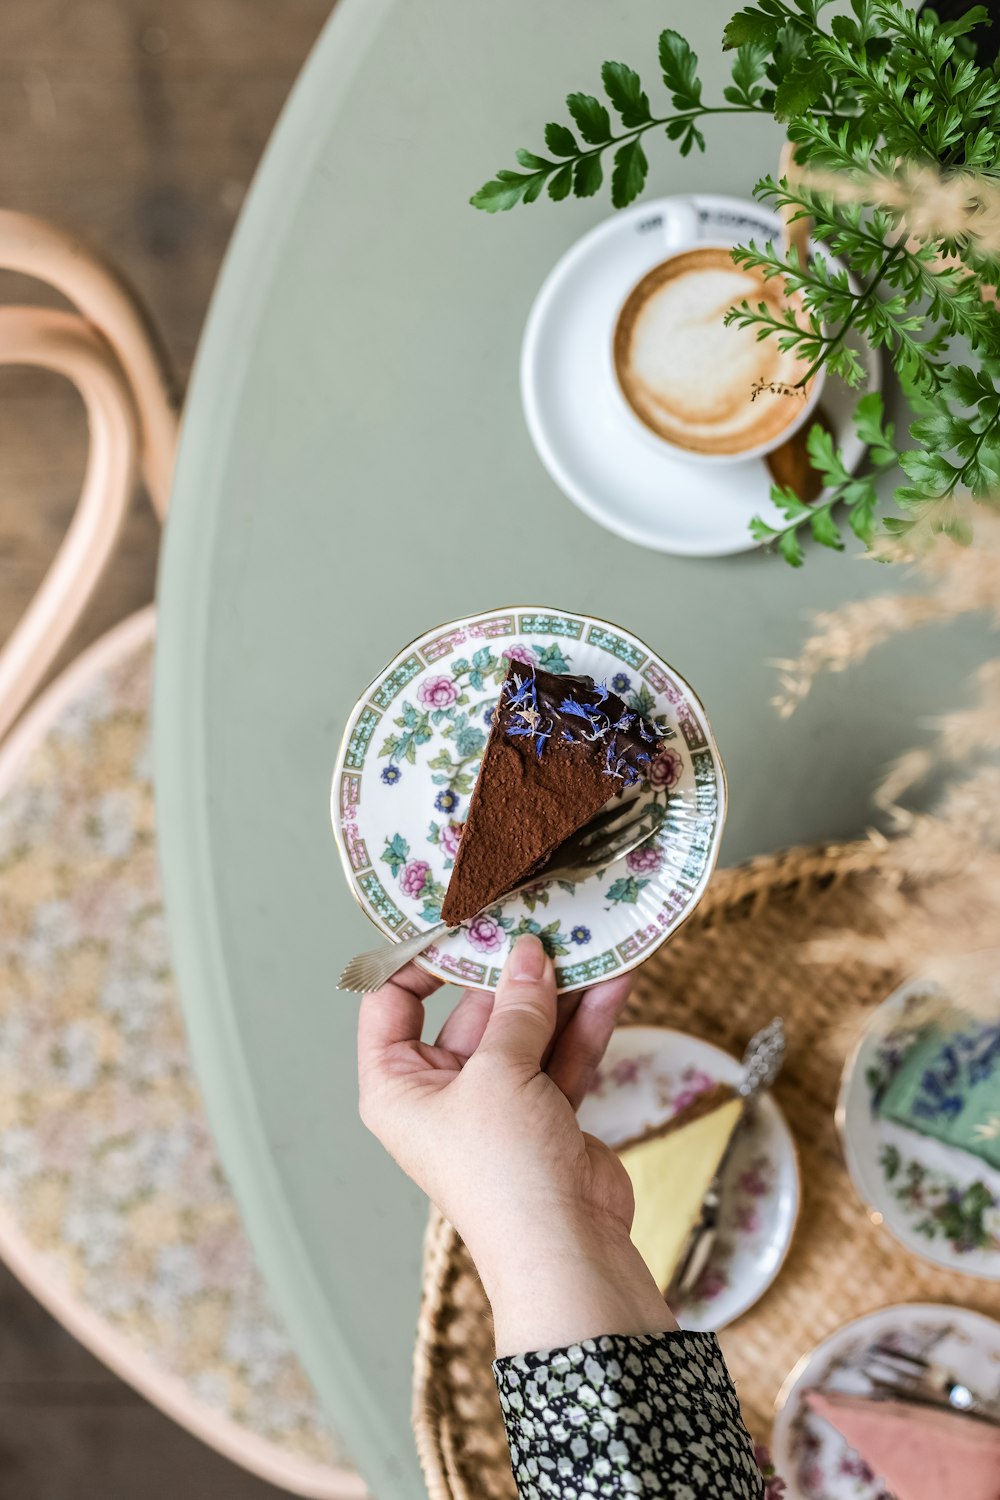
x: 774, y: 1485
x: 519, y: 653
x: 686, y: 1098
x: 627, y: 1069
x: 450, y: 837
x: 485, y: 934
x: 813, y: 1477
x: 748, y: 1219
x: 437, y: 692
x: 855, y: 1468
x: 644, y: 861
x: 712, y: 1284
x: 753, y: 1181
x: 666, y: 769
x: 414, y: 876
x: 694, y: 1081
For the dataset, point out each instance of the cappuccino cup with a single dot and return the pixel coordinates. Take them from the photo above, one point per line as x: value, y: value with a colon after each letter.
x: 692, y: 385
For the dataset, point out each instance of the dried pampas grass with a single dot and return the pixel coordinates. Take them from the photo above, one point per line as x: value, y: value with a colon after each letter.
x: 958, y: 205
x: 961, y: 580
x: 936, y: 890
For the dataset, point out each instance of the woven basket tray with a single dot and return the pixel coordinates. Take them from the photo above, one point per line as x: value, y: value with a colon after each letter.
x: 736, y: 963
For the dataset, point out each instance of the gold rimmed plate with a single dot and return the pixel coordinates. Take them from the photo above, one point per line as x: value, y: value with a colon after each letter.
x: 941, y: 1202
x: 812, y: 1458
x: 647, y: 1076
x: 408, y: 762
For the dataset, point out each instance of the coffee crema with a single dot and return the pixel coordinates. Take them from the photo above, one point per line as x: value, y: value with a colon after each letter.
x: 689, y: 378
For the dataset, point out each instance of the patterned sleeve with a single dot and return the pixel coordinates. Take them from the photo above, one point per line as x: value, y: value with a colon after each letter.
x: 642, y: 1415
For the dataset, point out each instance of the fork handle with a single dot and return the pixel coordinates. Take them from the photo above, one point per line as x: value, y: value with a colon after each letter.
x: 370, y: 971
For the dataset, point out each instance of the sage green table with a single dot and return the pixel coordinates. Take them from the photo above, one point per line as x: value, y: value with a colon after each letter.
x: 355, y: 468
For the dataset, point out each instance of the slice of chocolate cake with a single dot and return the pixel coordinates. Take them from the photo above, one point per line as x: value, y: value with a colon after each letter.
x: 560, y: 748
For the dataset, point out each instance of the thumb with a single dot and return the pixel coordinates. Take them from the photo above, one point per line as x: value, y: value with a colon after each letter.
x: 523, y: 1017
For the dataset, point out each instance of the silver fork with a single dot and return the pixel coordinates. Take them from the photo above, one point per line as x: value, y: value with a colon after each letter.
x: 894, y: 1371
x: 614, y: 832
x: 762, y: 1060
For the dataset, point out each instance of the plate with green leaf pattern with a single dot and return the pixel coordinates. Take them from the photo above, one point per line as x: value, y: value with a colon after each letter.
x: 919, y: 1116
x: 408, y: 763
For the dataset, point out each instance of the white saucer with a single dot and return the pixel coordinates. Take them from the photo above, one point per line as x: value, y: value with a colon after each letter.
x: 942, y: 1203
x: 586, y: 441
x: 815, y: 1462
x: 647, y: 1075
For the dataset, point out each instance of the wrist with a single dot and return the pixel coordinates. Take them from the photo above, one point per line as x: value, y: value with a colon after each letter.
x: 567, y: 1277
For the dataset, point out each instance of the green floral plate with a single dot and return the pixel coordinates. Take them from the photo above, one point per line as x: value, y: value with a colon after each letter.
x: 940, y: 1201
x: 408, y: 763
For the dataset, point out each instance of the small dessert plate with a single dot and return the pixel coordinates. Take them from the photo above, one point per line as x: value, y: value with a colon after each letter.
x: 408, y: 763
x: 812, y: 1458
x: 618, y: 476
x: 939, y: 1201
x: 648, y: 1075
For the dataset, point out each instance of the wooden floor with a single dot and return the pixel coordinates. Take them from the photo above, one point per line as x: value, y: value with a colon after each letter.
x: 138, y: 123
x: 70, y: 1431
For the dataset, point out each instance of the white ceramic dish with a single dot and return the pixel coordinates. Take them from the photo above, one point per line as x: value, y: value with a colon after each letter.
x: 939, y: 1201
x: 408, y: 763
x: 598, y: 456
x: 815, y: 1462
x: 648, y: 1074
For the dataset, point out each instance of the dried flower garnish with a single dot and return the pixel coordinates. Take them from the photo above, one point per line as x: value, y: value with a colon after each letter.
x: 583, y: 712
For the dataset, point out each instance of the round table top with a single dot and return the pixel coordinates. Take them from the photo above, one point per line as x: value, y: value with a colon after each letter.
x: 355, y: 468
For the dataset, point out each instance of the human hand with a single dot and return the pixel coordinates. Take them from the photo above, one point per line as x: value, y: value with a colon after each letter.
x: 484, y: 1121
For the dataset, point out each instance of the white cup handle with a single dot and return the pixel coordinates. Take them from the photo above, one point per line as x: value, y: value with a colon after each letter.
x: 680, y: 228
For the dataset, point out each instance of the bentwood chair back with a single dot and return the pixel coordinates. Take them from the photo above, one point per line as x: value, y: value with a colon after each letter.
x: 114, y: 1210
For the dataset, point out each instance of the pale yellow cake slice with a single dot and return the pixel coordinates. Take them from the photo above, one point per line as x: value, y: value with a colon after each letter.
x: 672, y: 1169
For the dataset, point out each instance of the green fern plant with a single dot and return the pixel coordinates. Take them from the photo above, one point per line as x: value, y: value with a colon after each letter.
x: 863, y: 98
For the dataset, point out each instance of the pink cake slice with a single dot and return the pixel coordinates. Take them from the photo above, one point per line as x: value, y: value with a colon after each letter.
x: 919, y: 1452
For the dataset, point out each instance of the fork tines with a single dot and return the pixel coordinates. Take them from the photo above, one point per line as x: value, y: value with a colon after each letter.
x: 610, y: 819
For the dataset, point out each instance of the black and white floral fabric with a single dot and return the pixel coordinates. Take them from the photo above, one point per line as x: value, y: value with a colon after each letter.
x: 638, y: 1415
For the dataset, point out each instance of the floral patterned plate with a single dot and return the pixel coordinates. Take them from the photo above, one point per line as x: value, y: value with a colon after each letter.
x: 941, y: 1202
x: 408, y: 763
x: 649, y: 1073
x: 814, y: 1460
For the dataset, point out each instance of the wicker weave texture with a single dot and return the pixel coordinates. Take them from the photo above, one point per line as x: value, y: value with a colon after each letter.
x: 739, y: 961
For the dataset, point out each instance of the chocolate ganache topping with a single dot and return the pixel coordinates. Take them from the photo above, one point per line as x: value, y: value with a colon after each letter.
x: 576, y: 710
x: 560, y: 748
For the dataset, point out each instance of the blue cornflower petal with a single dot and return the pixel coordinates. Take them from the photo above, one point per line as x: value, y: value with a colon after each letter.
x: 526, y: 688
x: 574, y: 709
